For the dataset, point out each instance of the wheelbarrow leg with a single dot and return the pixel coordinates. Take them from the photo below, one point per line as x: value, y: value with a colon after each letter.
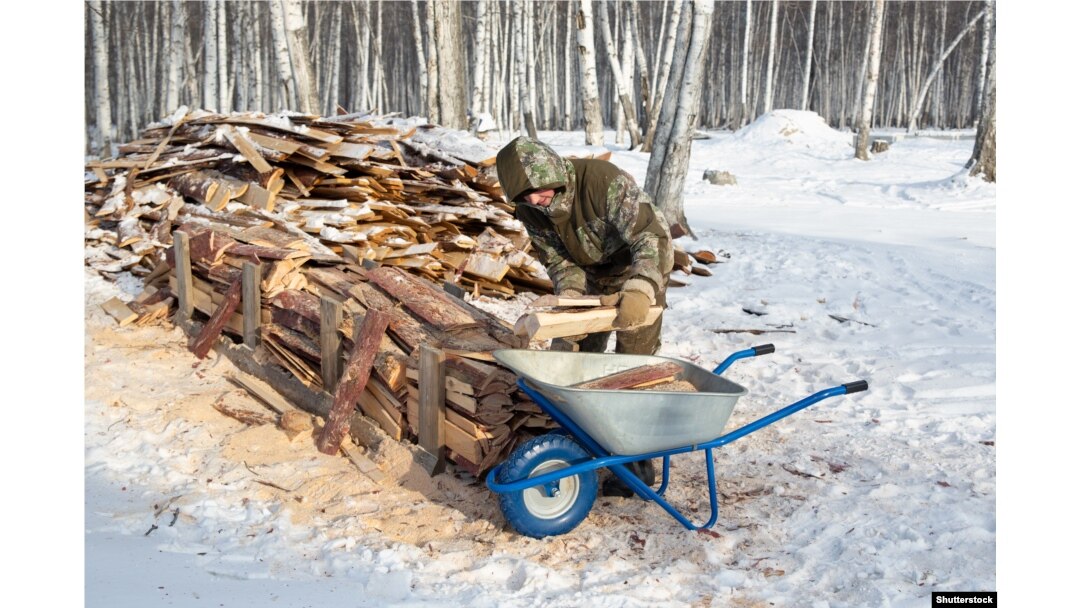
x: 648, y: 493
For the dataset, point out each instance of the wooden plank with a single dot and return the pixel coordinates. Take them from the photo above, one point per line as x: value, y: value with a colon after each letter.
x: 458, y: 440
x: 330, y: 341
x: 184, y: 288
x: 543, y: 325
x: 555, y: 301
x: 357, y: 371
x: 119, y: 311
x: 201, y: 345
x: 432, y: 414
x: 252, y: 297
x: 638, y: 377
x: 246, y: 148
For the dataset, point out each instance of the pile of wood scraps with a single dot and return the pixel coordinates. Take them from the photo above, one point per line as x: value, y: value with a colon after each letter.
x: 345, y: 188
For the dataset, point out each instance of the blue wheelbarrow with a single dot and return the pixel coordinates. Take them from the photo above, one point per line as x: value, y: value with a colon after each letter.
x: 549, y: 483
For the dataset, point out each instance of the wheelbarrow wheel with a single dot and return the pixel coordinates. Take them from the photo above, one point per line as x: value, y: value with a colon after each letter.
x: 534, y: 511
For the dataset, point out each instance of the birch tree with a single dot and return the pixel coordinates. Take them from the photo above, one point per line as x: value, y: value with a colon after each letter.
x: 431, y: 100
x: 769, y: 73
x: 744, y: 114
x: 480, y: 59
x: 281, y: 53
x: 984, y: 155
x: 980, y: 83
x: 629, y: 111
x: 670, y: 160
x: 176, y: 56
x: 210, y: 62
x: 101, y: 80
x: 307, y: 95
x: 877, y: 20
x: 449, y: 50
x: 521, y: 58
x: 664, y: 73
x: 916, y: 108
x: 590, y: 89
x: 421, y: 57
x: 805, y: 105
x: 223, y: 100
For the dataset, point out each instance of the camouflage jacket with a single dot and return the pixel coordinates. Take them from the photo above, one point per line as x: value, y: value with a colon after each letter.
x: 599, y: 221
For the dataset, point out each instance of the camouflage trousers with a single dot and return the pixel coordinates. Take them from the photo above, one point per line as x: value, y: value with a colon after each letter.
x: 641, y: 341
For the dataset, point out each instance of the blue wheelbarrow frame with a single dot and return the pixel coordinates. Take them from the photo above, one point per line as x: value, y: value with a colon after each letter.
x: 549, y: 482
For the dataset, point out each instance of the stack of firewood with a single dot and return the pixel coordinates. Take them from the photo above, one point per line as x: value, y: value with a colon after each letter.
x: 361, y: 210
x: 342, y: 189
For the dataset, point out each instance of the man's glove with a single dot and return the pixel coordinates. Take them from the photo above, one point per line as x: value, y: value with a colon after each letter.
x: 633, y: 307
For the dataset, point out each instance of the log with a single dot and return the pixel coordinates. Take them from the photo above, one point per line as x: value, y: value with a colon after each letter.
x: 201, y: 345
x: 543, y: 325
x: 427, y: 302
x: 638, y: 377
x: 353, y: 380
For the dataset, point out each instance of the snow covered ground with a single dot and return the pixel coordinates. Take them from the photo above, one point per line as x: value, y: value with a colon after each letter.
x: 880, y: 270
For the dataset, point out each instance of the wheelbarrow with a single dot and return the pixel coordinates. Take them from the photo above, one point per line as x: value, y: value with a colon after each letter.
x: 549, y: 483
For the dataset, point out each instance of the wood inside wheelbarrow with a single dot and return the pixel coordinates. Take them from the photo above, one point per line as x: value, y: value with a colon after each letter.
x: 635, y: 378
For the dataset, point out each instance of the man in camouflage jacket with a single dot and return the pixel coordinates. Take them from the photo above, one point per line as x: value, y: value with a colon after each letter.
x: 596, y: 232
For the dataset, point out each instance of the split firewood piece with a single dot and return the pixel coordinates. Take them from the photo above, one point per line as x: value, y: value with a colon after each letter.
x: 119, y: 311
x: 543, y: 325
x: 353, y: 380
x: 683, y: 261
x: 637, y: 377
x: 554, y: 301
x: 201, y: 345
x: 424, y: 299
x: 247, y: 148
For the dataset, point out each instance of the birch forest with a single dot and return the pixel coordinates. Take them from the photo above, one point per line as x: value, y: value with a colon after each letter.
x: 529, y: 65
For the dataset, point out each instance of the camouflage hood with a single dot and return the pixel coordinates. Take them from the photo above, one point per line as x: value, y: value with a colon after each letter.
x: 526, y: 164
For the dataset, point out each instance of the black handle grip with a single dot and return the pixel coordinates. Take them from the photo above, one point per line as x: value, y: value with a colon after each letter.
x: 764, y: 349
x: 854, y: 387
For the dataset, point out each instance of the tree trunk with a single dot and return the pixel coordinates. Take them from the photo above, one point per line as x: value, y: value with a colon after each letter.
x: 916, y: 108
x: 980, y: 83
x: 210, y: 62
x: 101, y: 81
x: 521, y: 58
x: 449, y: 49
x: 769, y: 75
x: 629, y: 112
x: 300, y: 55
x: 223, y: 99
x: 590, y: 90
x: 672, y: 28
x: 432, y: 97
x: 984, y: 155
x: 568, y: 65
x: 668, y: 164
x: 253, y: 33
x: 281, y: 53
x: 874, y: 63
x: 481, y: 49
x: 176, y: 56
x: 805, y: 105
x: 421, y: 59
x: 744, y: 113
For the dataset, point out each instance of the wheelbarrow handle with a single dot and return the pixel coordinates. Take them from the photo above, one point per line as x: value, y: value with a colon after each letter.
x: 761, y: 349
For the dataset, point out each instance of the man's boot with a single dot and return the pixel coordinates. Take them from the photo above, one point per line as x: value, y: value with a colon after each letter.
x: 642, y: 469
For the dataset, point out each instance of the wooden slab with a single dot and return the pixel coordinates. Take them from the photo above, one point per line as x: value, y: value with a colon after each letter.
x: 638, y: 377
x: 544, y: 325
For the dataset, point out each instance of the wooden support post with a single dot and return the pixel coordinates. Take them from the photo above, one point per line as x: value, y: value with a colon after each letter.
x: 252, y: 303
x: 330, y: 342
x: 432, y: 414
x: 185, y: 291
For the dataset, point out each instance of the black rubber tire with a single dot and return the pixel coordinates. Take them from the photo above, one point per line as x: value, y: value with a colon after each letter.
x: 531, y: 512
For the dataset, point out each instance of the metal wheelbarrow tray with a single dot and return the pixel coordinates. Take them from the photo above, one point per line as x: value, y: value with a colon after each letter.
x: 549, y: 483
